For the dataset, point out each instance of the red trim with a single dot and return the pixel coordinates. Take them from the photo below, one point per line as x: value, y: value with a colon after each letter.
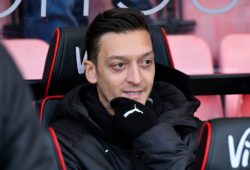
x: 44, y: 102
x: 58, y: 149
x: 166, y: 39
x: 57, y: 32
x: 207, y: 126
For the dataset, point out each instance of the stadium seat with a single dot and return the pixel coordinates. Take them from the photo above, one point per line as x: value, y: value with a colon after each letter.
x: 224, y: 144
x: 235, y: 58
x: 47, y: 116
x: 29, y: 55
x: 191, y: 55
x: 61, y: 73
x: 64, y: 70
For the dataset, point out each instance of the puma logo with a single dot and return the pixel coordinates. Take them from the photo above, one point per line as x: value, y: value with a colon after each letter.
x: 132, y: 111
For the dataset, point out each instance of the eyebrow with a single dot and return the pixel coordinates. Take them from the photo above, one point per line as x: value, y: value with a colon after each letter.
x: 124, y: 57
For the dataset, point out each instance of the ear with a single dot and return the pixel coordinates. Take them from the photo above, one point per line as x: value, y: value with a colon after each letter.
x: 90, y: 71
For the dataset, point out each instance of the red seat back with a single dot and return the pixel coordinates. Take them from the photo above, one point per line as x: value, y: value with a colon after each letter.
x: 29, y: 55
x: 235, y: 58
x: 192, y: 55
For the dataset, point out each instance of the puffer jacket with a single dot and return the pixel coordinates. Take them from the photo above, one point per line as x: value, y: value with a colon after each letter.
x: 23, y: 144
x: 88, y: 142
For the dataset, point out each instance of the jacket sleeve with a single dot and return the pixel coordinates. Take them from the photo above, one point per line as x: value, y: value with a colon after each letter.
x: 23, y: 144
x: 161, y: 148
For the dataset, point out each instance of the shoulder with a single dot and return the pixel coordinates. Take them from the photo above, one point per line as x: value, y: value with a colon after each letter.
x: 167, y: 89
x: 74, y: 136
x: 80, y: 147
x: 71, y: 130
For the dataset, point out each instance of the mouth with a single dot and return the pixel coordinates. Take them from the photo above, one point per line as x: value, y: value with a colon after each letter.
x: 133, y: 94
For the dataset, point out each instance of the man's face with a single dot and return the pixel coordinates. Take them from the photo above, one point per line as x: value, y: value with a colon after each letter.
x: 125, y: 66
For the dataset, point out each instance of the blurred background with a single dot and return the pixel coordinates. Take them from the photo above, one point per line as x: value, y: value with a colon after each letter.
x: 206, y: 37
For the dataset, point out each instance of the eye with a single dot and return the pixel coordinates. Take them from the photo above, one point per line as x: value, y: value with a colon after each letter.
x: 147, y: 63
x: 118, y: 66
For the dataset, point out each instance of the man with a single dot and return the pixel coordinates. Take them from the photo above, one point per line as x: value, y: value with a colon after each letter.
x: 23, y: 145
x: 122, y: 118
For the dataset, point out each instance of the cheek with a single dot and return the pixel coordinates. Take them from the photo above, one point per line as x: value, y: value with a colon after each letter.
x: 110, y: 85
x: 149, y: 77
x: 110, y: 81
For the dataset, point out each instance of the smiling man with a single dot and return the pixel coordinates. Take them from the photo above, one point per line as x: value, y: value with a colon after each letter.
x: 125, y: 67
x: 122, y: 118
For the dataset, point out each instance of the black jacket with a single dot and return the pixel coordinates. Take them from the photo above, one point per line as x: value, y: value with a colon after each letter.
x: 23, y: 144
x: 88, y: 142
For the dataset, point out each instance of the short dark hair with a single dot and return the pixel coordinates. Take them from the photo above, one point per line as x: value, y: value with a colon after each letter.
x: 117, y: 20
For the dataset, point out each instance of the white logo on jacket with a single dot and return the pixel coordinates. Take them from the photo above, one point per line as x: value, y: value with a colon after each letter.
x: 132, y: 111
x: 241, y: 153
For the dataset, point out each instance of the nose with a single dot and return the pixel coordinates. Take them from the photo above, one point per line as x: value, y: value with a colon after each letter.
x: 134, y: 74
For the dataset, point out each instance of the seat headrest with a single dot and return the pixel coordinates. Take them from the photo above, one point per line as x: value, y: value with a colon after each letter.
x: 63, y: 64
x: 48, y: 108
x: 224, y: 144
x: 64, y: 67
x: 161, y: 46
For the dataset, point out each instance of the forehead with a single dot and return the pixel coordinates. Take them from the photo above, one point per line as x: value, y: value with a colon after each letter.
x: 129, y: 43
